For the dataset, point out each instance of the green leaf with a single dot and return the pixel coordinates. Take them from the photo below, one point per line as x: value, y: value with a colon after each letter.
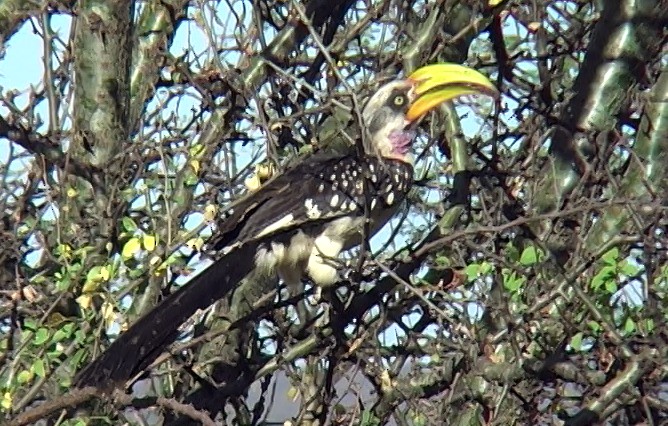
x: 611, y: 286
x: 30, y: 324
x: 512, y: 254
x: 529, y: 256
x: 610, y: 257
x: 38, y: 368
x: 419, y: 419
x: 605, y: 274
x: 594, y: 326
x: 512, y: 282
x: 368, y: 419
x: 629, y: 326
x: 77, y: 357
x: 191, y: 178
x: 649, y: 325
x: 485, y: 268
x: 41, y: 336
x: 63, y: 282
x: 136, y: 273
x: 472, y: 271
x: 129, y: 224
x: 63, y: 333
x: 196, y: 149
x: 629, y: 269
x: 576, y: 342
x: 24, y: 377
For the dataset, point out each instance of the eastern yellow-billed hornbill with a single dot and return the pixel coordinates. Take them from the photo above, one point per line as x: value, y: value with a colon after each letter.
x: 297, y: 222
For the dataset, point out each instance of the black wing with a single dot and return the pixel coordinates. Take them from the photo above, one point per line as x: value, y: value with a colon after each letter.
x: 315, y: 191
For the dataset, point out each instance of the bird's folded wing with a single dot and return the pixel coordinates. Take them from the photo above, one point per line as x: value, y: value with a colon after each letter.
x: 315, y: 192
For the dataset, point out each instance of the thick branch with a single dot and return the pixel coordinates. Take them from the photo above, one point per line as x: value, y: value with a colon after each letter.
x: 625, y: 38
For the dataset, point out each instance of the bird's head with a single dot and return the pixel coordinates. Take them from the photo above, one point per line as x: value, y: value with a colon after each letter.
x: 394, y: 108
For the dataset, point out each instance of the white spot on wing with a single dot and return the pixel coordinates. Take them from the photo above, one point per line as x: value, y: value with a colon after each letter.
x: 390, y: 198
x: 372, y: 204
x: 334, y: 201
x: 321, y: 187
x: 283, y: 222
x: 312, y: 210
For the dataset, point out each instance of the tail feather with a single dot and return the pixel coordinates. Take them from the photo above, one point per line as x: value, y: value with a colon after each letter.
x: 147, y: 338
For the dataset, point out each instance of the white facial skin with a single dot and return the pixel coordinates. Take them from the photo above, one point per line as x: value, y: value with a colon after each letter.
x: 385, y: 118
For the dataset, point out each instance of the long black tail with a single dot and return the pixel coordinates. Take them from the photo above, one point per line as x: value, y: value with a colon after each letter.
x: 146, y: 339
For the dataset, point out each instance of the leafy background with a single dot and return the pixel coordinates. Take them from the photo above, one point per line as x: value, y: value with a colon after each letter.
x: 525, y: 282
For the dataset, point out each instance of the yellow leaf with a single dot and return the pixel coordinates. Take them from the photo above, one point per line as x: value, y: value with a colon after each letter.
x: 95, y: 276
x: 84, y: 301
x: 108, y: 313
x: 210, y: 212
x: 252, y: 183
x: 195, y: 243
x: 105, y: 274
x: 149, y: 242
x: 293, y: 393
x: 154, y: 260
x: 90, y: 286
x: 264, y: 171
x: 493, y: 3
x: 64, y: 250
x: 195, y: 165
x: 131, y: 248
x: 196, y: 150
x: 6, y: 400
x: 71, y: 192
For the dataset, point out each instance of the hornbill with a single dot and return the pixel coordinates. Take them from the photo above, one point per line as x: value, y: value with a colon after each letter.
x: 298, y: 222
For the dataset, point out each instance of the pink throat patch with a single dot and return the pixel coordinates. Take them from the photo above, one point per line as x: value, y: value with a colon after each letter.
x: 402, y: 140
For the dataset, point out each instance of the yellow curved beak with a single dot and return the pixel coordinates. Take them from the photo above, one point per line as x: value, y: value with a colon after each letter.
x: 437, y: 83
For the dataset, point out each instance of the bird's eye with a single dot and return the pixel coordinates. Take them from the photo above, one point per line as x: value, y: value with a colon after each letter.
x: 399, y: 100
